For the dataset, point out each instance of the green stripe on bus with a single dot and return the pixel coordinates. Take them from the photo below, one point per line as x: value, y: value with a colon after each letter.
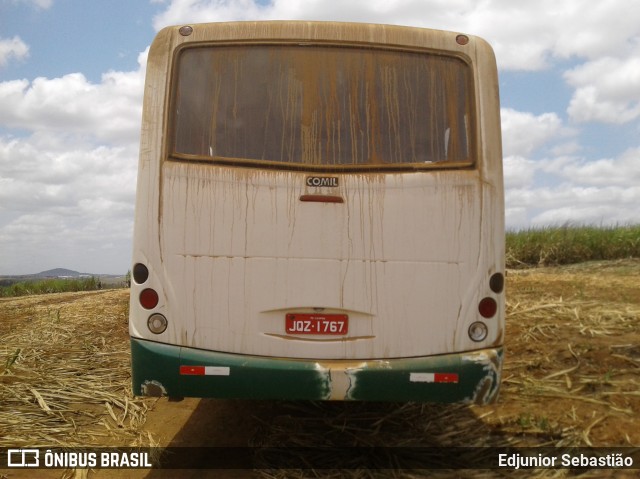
x: 471, y: 377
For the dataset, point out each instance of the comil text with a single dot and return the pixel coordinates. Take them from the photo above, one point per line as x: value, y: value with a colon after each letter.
x: 330, y: 181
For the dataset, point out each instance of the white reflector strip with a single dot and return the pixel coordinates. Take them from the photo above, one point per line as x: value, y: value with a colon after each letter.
x: 204, y: 371
x: 433, y: 378
x: 422, y: 377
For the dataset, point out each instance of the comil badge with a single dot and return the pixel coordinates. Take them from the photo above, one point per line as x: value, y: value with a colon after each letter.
x: 318, y: 181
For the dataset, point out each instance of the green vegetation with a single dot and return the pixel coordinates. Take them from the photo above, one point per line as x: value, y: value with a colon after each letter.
x: 553, y: 246
x: 45, y: 286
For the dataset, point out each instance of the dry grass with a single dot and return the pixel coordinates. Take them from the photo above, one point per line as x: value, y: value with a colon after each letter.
x: 64, y: 372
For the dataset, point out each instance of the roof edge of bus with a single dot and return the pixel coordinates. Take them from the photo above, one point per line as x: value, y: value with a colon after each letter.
x: 310, y: 22
x: 320, y: 24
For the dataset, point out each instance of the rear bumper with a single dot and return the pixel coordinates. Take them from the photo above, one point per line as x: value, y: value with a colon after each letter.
x: 161, y: 369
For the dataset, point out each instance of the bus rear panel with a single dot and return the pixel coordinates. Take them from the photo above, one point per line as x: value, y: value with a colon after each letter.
x: 319, y: 215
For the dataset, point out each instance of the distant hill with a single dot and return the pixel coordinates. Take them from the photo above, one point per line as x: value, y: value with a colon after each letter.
x: 60, y: 273
x: 104, y: 280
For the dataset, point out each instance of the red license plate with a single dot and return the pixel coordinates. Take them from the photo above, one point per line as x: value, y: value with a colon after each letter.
x: 299, y: 323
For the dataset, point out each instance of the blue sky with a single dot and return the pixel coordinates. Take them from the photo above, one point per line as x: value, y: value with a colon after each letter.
x: 72, y: 71
x: 77, y: 36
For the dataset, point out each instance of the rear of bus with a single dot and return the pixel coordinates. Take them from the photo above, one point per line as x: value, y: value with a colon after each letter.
x: 319, y: 215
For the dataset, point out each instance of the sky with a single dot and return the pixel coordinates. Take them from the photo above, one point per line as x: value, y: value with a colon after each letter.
x: 72, y: 75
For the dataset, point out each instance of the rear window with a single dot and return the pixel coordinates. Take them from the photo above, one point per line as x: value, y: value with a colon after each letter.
x: 321, y: 106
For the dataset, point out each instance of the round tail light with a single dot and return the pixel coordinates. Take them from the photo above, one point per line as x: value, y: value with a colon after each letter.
x: 487, y: 307
x: 140, y: 273
x: 149, y: 298
x: 478, y: 331
x: 157, y: 323
x: 496, y: 282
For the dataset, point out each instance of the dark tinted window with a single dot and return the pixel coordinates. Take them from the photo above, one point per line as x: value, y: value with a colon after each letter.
x: 322, y: 105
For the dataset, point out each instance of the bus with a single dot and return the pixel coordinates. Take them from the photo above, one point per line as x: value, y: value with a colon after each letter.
x: 319, y: 215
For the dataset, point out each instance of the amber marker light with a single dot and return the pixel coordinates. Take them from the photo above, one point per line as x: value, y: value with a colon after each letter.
x: 185, y: 31
x: 462, y: 39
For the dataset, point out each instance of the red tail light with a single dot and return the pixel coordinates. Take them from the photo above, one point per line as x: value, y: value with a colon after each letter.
x: 487, y: 307
x: 148, y: 298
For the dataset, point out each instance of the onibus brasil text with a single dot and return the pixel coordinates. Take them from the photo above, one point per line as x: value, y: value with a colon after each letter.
x: 58, y: 459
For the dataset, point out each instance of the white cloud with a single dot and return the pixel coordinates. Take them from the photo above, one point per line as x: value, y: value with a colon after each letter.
x: 543, y: 186
x: 573, y: 189
x: 59, y: 201
x: 607, y: 90
x: 576, y: 204
x: 595, y: 29
x: 202, y: 11
x: 518, y: 172
x: 588, y: 205
x: 108, y: 111
x: 623, y: 171
x: 67, y: 180
x: 12, y: 48
x: 524, y: 132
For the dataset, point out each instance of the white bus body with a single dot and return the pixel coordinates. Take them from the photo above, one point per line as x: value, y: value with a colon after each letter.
x: 319, y: 215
